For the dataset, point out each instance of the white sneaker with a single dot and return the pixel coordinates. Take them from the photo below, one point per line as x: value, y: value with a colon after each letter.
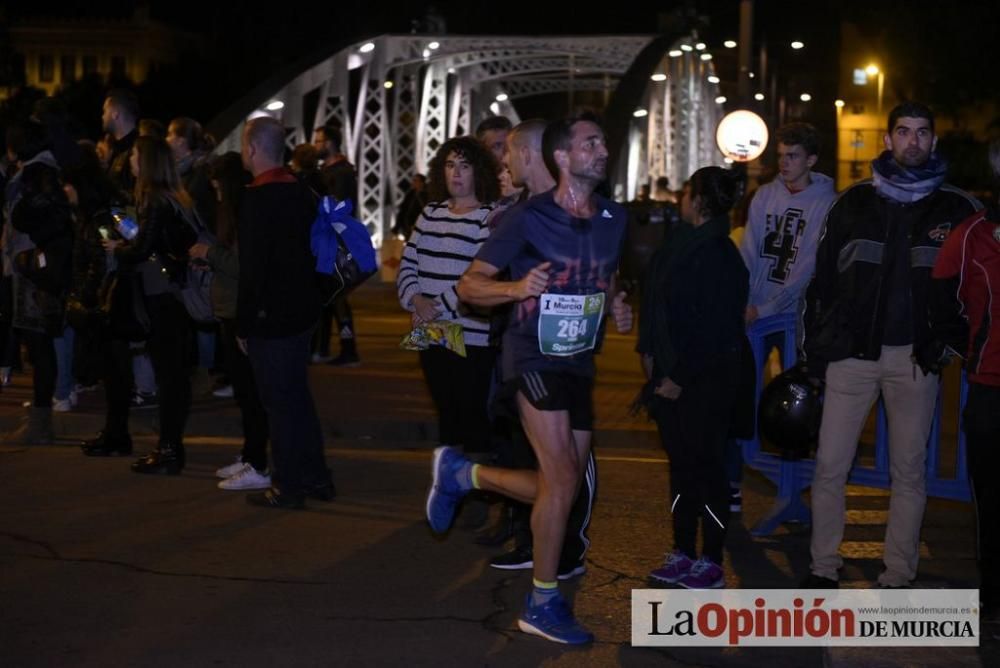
x: 225, y: 392
x: 62, y: 405
x: 248, y: 478
x: 231, y: 470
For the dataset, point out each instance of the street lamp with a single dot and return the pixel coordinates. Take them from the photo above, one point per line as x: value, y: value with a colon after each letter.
x: 873, y: 70
x: 741, y: 136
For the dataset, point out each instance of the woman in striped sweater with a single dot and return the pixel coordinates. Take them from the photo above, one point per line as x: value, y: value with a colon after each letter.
x: 462, y: 187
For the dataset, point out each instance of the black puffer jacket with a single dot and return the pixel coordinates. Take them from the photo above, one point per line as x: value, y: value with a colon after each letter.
x: 44, y: 214
x: 846, y: 300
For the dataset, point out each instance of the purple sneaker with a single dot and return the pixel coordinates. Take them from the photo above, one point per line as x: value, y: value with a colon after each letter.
x: 446, y: 490
x: 676, y: 566
x: 705, y: 574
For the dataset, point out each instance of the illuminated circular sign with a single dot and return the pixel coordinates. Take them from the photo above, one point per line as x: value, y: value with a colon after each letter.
x: 742, y: 136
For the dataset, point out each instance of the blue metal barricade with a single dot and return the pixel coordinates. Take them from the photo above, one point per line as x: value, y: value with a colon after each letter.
x: 792, y: 477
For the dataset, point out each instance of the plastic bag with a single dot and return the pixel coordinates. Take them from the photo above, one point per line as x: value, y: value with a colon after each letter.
x: 436, y: 333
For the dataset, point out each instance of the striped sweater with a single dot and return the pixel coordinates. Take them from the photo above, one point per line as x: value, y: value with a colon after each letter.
x: 438, y: 252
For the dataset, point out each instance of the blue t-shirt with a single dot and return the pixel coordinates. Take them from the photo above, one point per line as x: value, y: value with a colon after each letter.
x: 584, y: 255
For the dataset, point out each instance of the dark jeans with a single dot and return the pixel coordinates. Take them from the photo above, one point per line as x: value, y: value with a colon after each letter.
x: 460, y: 388
x: 88, y: 358
x: 345, y: 316
x: 981, y: 423
x: 693, y: 430
x: 252, y: 413
x: 10, y: 353
x: 280, y: 369
x: 117, y: 373
x: 169, y: 348
x: 341, y: 310
x: 321, y: 340
x: 43, y: 358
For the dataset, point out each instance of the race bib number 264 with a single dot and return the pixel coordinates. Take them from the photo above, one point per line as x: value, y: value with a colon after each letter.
x: 568, y: 324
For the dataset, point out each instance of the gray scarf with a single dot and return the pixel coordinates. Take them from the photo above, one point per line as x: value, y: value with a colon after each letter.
x: 907, y: 185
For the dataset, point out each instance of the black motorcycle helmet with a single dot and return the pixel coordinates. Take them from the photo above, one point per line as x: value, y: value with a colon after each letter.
x: 789, y: 413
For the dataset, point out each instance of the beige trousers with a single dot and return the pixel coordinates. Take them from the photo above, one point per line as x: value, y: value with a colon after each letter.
x: 852, y: 386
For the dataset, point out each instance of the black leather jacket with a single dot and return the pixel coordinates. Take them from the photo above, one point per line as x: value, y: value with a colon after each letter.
x: 846, y: 299
x: 163, y: 232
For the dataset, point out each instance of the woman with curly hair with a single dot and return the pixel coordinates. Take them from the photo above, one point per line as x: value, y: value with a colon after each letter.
x: 462, y: 188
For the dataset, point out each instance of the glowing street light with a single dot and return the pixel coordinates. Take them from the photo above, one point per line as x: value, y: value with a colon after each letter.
x: 839, y: 104
x: 805, y: 97
x: 502, y: 97
x: 675, y: 53
x: 713, y: 79
x: 759, y: 97
x: 741, y: 136
x: 797, y: 45
x: 276, y: 105
x: 721, y: 99
x: 639, y: 113
x: 706, y: 56
x: 729, y: 44
x: 659, y: 76
x: 367, y: 48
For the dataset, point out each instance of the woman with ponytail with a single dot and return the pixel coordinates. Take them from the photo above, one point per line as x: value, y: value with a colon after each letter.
x: 691, y: 339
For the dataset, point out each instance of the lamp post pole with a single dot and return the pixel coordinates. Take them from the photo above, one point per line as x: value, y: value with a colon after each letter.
x: 746, y: 44
x: 881, y: 83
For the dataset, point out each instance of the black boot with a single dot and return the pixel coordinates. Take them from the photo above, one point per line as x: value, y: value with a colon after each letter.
x: 107, y: 445
x: 35, y: 428
x: 166, y: 459
x: 348, y: 354
x: 324, y: 491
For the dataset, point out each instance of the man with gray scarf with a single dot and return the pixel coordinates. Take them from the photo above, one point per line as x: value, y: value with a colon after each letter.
x: 867, y: 332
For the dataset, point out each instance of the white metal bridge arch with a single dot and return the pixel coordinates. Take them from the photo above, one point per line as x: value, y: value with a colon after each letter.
x: 399, y: 97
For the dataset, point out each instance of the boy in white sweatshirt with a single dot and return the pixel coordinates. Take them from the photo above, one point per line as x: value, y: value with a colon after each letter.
x: 784, y: 225
x: 783, y: 228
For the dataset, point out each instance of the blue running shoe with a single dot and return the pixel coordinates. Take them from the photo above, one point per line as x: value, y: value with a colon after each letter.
x: 446, y: 491
x: 553, y: 621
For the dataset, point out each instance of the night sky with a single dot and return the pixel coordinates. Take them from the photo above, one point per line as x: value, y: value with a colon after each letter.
x: 935, y: 54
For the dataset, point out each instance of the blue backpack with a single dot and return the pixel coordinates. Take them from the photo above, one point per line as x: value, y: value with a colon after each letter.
x: 345, y: 256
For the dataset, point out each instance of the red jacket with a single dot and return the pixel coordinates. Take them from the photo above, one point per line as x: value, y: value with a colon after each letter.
x: 969, y: 263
